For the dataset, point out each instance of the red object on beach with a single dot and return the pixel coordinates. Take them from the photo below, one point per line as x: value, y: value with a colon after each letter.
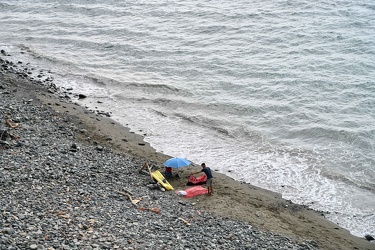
x: 195, y: 191
x: 197, y: 180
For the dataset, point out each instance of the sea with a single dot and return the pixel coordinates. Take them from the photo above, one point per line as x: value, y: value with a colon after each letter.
x: 279, y: 94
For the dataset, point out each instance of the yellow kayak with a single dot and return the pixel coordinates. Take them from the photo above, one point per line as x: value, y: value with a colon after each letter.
x: 161, y: 179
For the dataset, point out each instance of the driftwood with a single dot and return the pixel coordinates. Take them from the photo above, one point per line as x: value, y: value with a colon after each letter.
x: 148, y: 168
x: 185, y: 221
x: 141, y: 171
x: 136, y: 201
x: 133, y: 201
x: 11, y: 124
x: 127, y: 191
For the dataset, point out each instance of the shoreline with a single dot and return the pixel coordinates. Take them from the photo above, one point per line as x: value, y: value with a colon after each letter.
x: 263, y: 209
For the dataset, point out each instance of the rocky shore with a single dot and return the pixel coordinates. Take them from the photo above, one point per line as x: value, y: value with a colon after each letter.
x: 69, y: 180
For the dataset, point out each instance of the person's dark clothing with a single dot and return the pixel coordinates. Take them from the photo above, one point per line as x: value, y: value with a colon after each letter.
x: 207, y: 171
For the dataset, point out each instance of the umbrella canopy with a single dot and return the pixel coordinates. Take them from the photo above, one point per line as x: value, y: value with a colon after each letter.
x: 177, y: 162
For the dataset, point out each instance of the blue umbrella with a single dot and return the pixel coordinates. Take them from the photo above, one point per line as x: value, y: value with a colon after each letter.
x: 177, y: 163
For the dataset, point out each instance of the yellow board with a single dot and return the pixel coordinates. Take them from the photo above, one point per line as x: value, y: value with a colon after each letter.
x: 160, y: 178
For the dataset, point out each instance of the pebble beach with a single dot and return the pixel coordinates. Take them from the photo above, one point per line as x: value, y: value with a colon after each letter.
x: 70, y: 179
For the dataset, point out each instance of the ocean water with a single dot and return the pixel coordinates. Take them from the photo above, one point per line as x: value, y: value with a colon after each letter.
x: 279, y: 94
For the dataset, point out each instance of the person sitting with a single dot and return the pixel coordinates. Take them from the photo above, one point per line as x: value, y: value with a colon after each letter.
x: 168, y: 172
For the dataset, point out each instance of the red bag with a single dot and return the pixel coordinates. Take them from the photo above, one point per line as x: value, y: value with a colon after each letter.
x: 197, y: 180
x: 195, y: 191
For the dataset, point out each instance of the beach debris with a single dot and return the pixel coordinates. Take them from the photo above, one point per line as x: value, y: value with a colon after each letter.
x: 182, y: 203
x: 154, y: 209
x: 141, y: 171
x: 62, y: 214
x: 369, y: 237
x: 128, y: 195
x: 181, y: 193
x: 103, y: 113
x: 11, y: 124
x: 149, y: 170
x: 4, y: 132
x: 184, y: 221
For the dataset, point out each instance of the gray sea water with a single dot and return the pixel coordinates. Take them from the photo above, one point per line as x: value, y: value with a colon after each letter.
x: 279, y: 94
